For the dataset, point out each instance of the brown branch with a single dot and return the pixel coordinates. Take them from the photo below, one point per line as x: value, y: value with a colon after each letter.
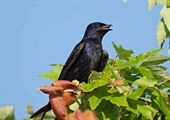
x: 144, y: 100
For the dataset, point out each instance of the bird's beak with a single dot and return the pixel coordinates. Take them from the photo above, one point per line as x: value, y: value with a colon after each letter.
x: 105, y: 27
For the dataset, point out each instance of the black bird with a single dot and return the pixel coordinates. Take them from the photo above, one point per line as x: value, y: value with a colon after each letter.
x: 86, y: 56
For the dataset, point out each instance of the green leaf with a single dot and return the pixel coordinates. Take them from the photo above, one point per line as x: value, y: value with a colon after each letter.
x: 118, y: 99
x: 95, y: 75
x: 122, y: 89
x: 130, y: 63
x: 122, y: 53
x: 53, y: 74
x: 159, y: 72
x: 137, y: 93
x: 165, y: 14
x: 103, y: 113
x: 110, y: 62
x: 94, y: 84
x: 146, y: 110
x: 113, y: 90
x: 162, y: 32
x: 144, y: 118
x: 167, y: 118
x: 129, y: 74
x: 135, y: 61
x: 29, y: 109
x: 107, y: 114
x: 97, y: 95
x: 75, y: 106
x: 166, y: 84
x: 7, y: 113
x: 167, y: 3
x: 49, y: 115
x: 152, y: 52
x: 84, y: 103
x: 160, y: 101
x: 151, y: 3
x: 81, y: 103
x: 165, y: 26
x: 109, y: 72
x: 145, y: 72
x: 147, y: 54
x: 146, y: 82
x: 132, y: 106
x: 155, y: 60
x: 132, y: 116
x: 98, y: 79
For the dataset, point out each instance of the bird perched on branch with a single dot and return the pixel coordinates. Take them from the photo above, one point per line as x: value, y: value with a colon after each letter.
x: 87, y: 55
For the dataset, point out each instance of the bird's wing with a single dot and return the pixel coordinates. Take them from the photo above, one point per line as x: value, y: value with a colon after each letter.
x: 103, y: 61
x: 71, y: 59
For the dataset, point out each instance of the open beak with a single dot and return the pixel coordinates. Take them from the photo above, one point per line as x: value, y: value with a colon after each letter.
x: 106, y: 27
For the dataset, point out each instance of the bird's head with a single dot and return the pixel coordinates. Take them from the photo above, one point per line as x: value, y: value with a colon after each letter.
x: 97, y: 29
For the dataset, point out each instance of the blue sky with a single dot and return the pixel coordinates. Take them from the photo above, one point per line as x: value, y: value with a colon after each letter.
x: 36, y: 33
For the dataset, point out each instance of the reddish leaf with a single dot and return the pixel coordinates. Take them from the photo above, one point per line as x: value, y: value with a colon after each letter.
x: 61, y: 93
x: 79, y: 115
x: 58, y: 105
x: 51, y: 89
x: 72, y: 117
x: 68, y: 97
x: 89, y: 115
x: 66, y: 85
x: 119, y: 81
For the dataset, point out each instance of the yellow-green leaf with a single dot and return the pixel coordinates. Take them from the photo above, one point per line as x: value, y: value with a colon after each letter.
x: 7, y: 113
x: 97, y: 96
x: 122, y: 53
x: 146, y: 82
x: 137, y: 93
x: 145, y: 72
x: 167, y: 3
x: 161, y: 32
x: 53, y: 74
x: 151, y: 3
x: 165, y: 13
x: 118, y: 99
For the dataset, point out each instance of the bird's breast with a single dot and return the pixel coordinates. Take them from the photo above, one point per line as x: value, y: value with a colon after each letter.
x: 93, y: 51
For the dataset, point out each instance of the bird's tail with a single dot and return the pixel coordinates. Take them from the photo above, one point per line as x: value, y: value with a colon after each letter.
x: 42, y: 110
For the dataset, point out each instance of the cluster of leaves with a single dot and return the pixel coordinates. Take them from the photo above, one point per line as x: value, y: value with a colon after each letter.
x: 143, y: 94
x: 163, y: 31
x: 132, y: 87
